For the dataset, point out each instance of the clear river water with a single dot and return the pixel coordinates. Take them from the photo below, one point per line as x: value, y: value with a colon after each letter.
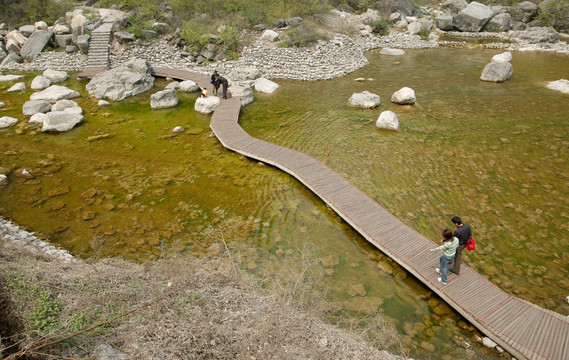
x: 121, y: 184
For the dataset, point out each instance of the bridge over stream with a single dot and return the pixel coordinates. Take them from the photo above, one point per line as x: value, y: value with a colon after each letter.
x: 525, y: 330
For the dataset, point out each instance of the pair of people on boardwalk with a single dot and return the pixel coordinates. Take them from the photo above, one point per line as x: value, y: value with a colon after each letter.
x: 452, y: 247
x: 217, y: 80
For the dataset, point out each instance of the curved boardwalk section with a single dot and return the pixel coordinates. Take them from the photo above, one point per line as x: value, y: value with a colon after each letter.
x: 526, y: 330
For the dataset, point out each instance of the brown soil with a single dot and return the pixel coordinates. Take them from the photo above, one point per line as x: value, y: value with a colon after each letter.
x: 177, y: 308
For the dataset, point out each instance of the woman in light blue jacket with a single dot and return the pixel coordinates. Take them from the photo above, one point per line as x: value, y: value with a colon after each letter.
x: 449, y: 246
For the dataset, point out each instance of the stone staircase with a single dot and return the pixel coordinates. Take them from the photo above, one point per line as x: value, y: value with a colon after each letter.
x: 99, y: 47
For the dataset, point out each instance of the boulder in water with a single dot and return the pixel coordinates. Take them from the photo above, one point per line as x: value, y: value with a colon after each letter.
x: 404, y: 96
x: 35, y: 106
x: 7, y: 121
x: 60, y: 121
x: 497, y: 72
x: 265, y: 85
x: 164, y: 99
x: 119, y: 83
x: 387, y: 120
x: 55, y: 93
x: 559, y: 85
x: 365, y: 99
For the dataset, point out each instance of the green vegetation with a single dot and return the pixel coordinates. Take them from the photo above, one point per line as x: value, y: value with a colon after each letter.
x: 16, y: 13
x: 303, y: 35
x: 381, y: 27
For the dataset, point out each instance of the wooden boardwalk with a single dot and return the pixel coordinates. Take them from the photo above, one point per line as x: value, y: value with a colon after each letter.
x: 525, y: 330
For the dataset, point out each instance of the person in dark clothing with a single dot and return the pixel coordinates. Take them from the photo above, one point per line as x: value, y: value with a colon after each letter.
x: 220, y: 80
x: 214, y: 82
x: 462, y: 232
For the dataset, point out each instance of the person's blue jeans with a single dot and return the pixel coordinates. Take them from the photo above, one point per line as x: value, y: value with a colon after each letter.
x: 444, y: 261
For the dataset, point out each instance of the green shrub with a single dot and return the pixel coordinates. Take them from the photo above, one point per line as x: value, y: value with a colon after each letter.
x: 380, y: 26
x: 230, y: 39
x: 195, y: 35
x: 305, y: 34
x: 424, y: 34
x: 21, y: 12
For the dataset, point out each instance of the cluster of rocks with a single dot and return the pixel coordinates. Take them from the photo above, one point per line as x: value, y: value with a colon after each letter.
x: 51, y: 107
x: 387, y: 119
x: 28, y: 240
x: 499, y: 69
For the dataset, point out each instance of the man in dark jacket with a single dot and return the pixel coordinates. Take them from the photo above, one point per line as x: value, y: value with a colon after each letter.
x: 462, y: 232
x: 214, y: 82
x: 220, y: 80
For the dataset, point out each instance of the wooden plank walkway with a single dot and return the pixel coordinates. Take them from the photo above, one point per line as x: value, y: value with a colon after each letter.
x: 525, y: 330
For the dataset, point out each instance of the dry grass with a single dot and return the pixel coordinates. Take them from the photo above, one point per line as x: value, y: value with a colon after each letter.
x: 182, y: 308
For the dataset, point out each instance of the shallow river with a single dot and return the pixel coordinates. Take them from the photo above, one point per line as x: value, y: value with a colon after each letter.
x: 121, y: 184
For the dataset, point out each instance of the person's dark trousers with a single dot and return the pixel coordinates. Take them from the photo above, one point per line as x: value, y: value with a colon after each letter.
x: 224, y: 90
x: 457, y: 259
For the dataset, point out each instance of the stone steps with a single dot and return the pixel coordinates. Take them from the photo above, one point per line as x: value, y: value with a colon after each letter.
x: 99, y: 47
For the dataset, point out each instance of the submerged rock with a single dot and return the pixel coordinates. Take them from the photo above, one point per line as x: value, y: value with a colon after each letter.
x: 497, y: 72
x: 404, y: 96
x: 265, y: 85
x: 387, y: 120
x: 559, y: 85
x: 164, y: 99
x: 7, y: 121
x: 33, y: 107
x: 390, y: 51
x: 365, y: 99
x: 55, y: 93
x: 60, y: 121
x: 17, y: 87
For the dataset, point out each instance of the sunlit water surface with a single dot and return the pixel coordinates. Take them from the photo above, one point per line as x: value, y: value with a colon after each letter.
x: 121, y: 184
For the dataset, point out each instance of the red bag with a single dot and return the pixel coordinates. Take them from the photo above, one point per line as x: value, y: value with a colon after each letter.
x: 470, y: 244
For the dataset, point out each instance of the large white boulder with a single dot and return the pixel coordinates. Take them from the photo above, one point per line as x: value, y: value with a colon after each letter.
x: 7, y: 121
x: 559, y: 85
x: 393, y: 52
x: 119, y: 83
x: 387, y: 120
x: 206, y: 105
x: 188, y: 86
x: 164, y: 99
x: 265, y: 85
x: 59, y: 121
x: 497, y: 72
x: 35, y: 106
x: 270, y: 35
x: 473, y: 17
x: 503, y: 57
x: 55, y: 76
x: 404, y: 96
x: 40, y: 82
x: 54, y: 93
x: 243, y: 93
x: 365, y: 99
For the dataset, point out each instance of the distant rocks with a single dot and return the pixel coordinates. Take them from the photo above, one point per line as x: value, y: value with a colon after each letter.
x: 164, y: 99
x: 404, y: 96
x: 559, y: 85
x: 473, y: 17
x: 119, y: 83
x: 206, y: 105
x: 393, y: 52
x: 387, y: 120
x: 270, y: 35
x: 365, y: 100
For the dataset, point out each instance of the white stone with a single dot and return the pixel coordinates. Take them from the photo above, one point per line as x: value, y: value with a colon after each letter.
x: 360, y: 79
x: 365, y: 99
x: 74, y: 110
x: 243, y: 93
x: 63, y: 104
x: 390, y: 51
x: 387, y: 120
x: 17, y: 87
x: 270, y: 35
x: 3, y: 180
x: 17, y: 37
x: 173, y: 85
x: 503, y: 57
x: 78, y: 20
x: 164, y: 99
x: 497, y: 72
x: 55, y: 93
x: 560, y: 85
x: 103, y: 103
x: 7, y: 121
x: 207, y: 105
x: 55, y: 76
x: 2, y: 105
x: 265, y: 85
x: 9, y: 78
x: 61, y: 29
x: 38, y: 118
x: 35, y: 106
x: 486, y: 341
x: 41, y: 25
x: 188, y: 86
x: 40, y: 82
x: 404, y: 96
x: 178, y: 129
x: 60, y: 121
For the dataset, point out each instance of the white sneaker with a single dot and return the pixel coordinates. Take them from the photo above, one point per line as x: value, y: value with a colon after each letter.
x: 438, y: 271
x: 441, y: 281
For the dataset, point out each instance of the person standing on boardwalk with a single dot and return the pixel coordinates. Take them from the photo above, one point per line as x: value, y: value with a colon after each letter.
x: 450, y: 243
x: 214, y: 82
x: 220, y: 80
x: 462, y: 232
